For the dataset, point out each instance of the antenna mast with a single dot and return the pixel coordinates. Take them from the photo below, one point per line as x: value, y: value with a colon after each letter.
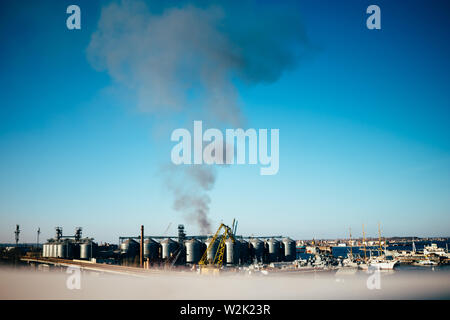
x: 17, y: 232
x: 38, y: 233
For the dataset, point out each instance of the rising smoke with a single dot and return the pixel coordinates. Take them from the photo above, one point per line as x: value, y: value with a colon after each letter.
x: 186, y: 57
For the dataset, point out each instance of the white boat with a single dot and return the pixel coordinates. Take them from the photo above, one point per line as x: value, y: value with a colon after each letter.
x: 433, y: 249
x: 349, y: 263
x: 426, y: 262
x: 379, y: 263
x: 384, y: 264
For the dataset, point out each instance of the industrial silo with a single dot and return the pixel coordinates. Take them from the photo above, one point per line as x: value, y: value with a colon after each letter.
x: 52, y: 251
x: 281, y: 251
x: 168, y: 248
x: 62, y: 250
x: 290, y: 250
x: 274, y: 250
x: 151, y: 249
x: 129, y: 247
x: 86, y: 250
x: 193, y: 251
x: 258, y: 249
x: 232, y: 251
x: 244, y: 253
x: 49, y: 250
x: 211, y: 254
x: 75, y: 250
x: 46, y: 250
x: 202, y: 249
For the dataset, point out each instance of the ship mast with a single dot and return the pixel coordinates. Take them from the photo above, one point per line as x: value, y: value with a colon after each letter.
x: 364, y: 243
x: 351, y: 246
x: 379, y: 239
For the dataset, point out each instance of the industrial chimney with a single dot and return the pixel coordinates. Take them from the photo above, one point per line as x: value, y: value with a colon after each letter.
x: 141, y: 250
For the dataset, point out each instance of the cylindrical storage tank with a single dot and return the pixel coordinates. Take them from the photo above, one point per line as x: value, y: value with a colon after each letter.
x: 124, y: 246
x: 244, y: 251
x: 193, y: 248
x: 52, y: 250
x: 129, y: 247
x: 290, y: 249
x: 258, y: 249
x: 151, y: 249
x: 168, y: 248
x: 274, y: 249
x: 232, y: 251
x: 61, y: 250
x: 202, y: 249
x: 75, y: 250
x: 86, y: 250
x: 69, y: 252
x: 44, y: 248
x: 211, y: 254
x: 55, y: 250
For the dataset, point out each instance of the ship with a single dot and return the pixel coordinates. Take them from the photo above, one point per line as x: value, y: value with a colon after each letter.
x: 426, y: 262
x: 379, y: 262
x: 433, y: 249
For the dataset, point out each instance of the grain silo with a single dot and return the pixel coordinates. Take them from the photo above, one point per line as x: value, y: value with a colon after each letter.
x: 129, y: 247
x: 193, y: 251
x: 86, y: 250
x: 211, y: 254
x: 274, y: 250
x: 290, y: 250
x: 168, y: 248
x: 151, y: 249
x: 244, y: 251
x: 232, y: 251
x: 258, y: 249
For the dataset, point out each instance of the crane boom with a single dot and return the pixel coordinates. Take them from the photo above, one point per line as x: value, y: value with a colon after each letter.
x: 217, y: 260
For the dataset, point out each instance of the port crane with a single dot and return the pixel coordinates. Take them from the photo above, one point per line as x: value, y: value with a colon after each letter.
x: 223, y: 233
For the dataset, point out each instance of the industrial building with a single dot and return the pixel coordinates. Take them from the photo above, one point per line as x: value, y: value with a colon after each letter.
x: 188, y: 250
x: 172, y: 250
x: 69, y: 247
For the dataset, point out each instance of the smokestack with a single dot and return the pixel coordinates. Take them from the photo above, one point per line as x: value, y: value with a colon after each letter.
x: 141, y: 251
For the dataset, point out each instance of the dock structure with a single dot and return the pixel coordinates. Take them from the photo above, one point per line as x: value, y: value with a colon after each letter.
x: 93, y: 266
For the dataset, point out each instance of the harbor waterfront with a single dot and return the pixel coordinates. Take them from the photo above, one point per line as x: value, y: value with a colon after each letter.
x: 265, y: 267
x: 225, y: 252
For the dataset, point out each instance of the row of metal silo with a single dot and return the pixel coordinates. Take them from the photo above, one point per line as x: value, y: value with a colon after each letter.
x: 256, y: 250
x: 237, y: 252
x: 284, y: 250
x: 68, y: 249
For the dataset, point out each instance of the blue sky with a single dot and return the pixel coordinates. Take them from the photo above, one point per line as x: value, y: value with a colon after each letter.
x: 363, y: 119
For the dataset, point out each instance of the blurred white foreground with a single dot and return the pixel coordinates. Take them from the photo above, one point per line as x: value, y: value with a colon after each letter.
x: 27, y: 284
